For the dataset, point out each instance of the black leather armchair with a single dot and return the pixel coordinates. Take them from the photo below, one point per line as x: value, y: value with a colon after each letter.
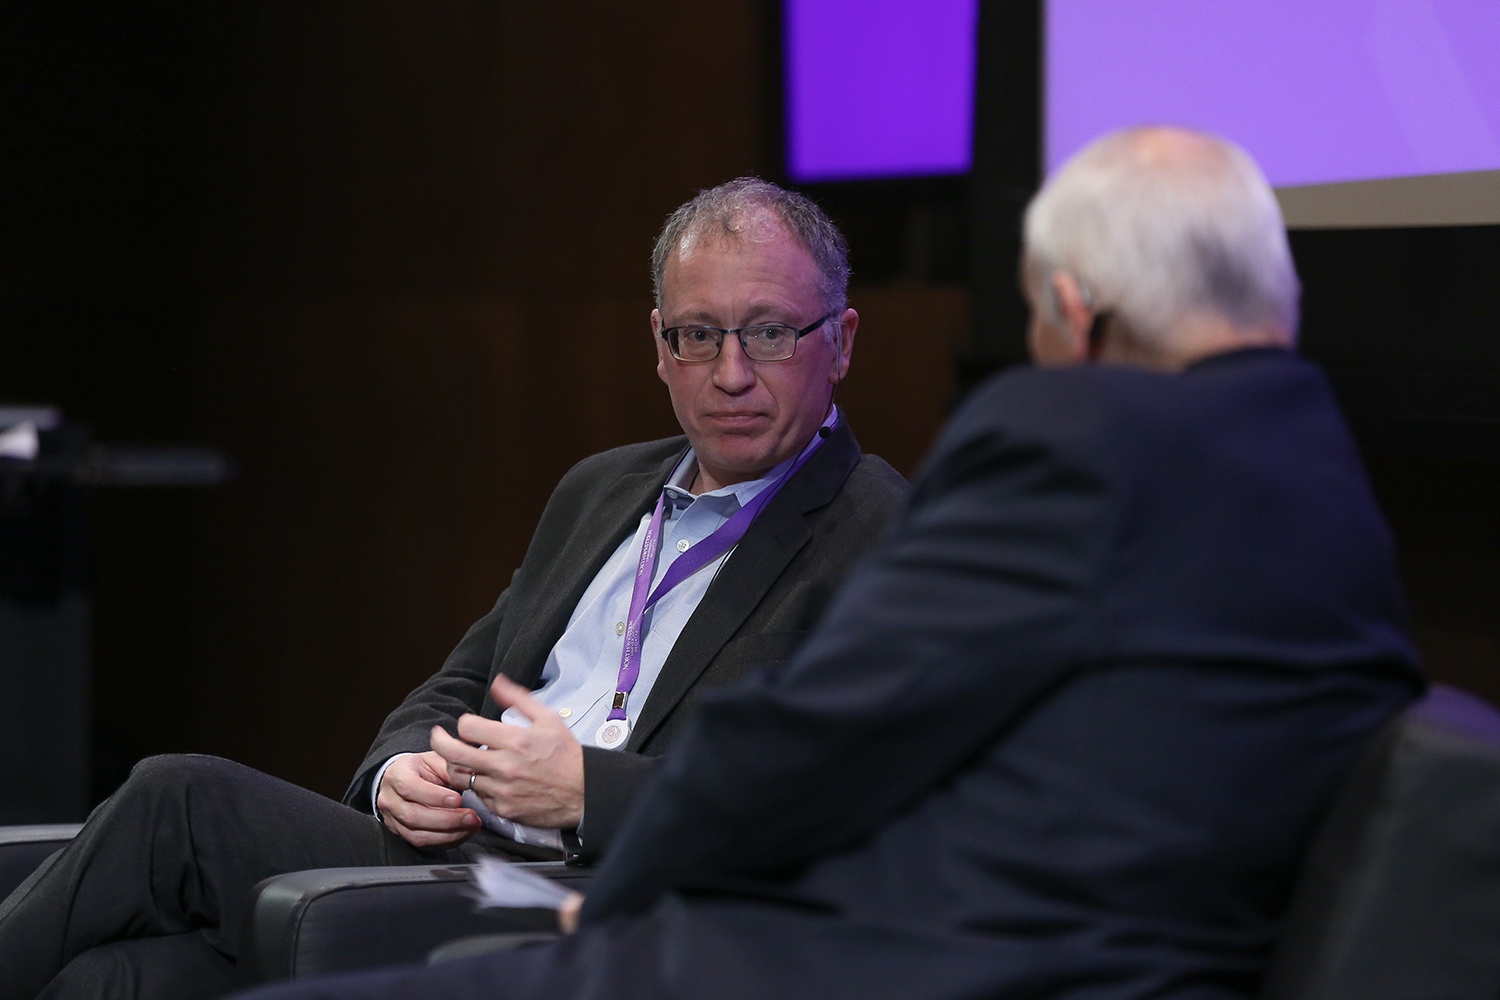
x: 335, y: 919
x: 1399, y: 897
x: 338, y: 919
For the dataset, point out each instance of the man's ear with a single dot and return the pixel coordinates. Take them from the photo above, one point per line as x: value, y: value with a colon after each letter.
x: 1074, y: 313
x: 661, y: 345
x: 843, y: 339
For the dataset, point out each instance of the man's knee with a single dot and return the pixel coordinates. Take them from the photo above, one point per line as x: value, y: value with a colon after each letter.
x: 172, y: 774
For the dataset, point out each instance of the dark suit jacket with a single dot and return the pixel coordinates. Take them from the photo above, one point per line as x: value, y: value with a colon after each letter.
x: 767, y: 596
x: 1067, y: 734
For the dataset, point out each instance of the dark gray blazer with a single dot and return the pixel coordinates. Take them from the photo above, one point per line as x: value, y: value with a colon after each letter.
x: 767, y: 596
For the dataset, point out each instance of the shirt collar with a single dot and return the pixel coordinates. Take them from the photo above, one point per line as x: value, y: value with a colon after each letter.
x: 681, y: 478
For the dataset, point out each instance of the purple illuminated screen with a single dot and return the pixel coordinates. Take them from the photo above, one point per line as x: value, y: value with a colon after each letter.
x: 878, y: 88
x: 1317, y: 92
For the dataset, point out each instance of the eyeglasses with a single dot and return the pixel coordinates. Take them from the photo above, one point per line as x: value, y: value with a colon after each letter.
x: 762, y: 342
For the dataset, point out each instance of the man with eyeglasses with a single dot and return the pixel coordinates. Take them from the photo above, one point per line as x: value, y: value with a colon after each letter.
x: 658, y: 572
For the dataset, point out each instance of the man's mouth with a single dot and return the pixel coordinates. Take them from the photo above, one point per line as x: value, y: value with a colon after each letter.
x: 736, y: 418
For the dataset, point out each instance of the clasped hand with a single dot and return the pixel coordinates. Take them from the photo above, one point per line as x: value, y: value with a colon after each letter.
x: 529, y: 775
x: 532, y: 776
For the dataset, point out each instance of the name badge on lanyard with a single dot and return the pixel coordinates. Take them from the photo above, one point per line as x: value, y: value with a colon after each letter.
x: 616, y: 729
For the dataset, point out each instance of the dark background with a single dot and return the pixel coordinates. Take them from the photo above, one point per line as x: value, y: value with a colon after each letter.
x: 328, y: 239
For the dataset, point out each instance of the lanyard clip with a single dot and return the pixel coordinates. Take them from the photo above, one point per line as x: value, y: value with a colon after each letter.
x: 620, y: 697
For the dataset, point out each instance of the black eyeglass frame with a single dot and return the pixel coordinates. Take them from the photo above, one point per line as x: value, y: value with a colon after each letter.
x: 671, y: 333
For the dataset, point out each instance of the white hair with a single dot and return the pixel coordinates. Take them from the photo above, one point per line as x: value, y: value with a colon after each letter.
x: 1158, y: 223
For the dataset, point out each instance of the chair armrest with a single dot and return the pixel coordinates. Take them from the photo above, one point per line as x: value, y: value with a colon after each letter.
x: 22, y: 848
x: 342, y: 919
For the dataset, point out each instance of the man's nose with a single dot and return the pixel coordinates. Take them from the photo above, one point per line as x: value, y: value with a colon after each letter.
x: 733, y: 371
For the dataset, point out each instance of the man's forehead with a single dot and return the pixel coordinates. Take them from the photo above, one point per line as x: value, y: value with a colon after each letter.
x: 747, y: 266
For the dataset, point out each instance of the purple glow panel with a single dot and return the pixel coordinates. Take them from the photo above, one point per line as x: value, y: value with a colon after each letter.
x: 879, y: 87
x: 1317, y: 92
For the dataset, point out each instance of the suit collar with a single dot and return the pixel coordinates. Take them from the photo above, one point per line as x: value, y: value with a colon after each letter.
x: 770, y: 544
x: 611, y: 515
x: 772, y: 541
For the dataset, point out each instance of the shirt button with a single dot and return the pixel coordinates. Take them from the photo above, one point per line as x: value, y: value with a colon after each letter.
x: 566, y: 713
x: 682, y: 546
x: 619, y: 628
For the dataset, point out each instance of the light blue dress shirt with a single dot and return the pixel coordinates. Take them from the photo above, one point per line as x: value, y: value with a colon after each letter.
x: 581, y: 673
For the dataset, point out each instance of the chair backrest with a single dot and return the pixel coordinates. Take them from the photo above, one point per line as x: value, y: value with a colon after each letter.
x: 1400, y: 897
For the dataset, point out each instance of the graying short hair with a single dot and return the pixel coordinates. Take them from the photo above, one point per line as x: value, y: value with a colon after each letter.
x: 1154, y: 237
x: 723, y: 212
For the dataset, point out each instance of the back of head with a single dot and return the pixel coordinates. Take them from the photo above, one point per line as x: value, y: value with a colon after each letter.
x: 748, y: 208
x: 1161, y: 224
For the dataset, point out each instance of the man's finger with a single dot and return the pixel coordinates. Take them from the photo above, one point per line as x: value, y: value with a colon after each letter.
x: 508, y: 694
x: 567, y: 913
x: 431, y: 828
x: 456, y: 751
x: 416, y: 817
x: 423, y: 792
x: 479, y: 731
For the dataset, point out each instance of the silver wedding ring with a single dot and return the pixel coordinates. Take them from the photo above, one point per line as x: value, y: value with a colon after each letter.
x: 472, y: 776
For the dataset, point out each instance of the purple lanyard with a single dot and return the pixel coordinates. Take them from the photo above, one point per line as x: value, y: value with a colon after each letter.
x: 722, y: 540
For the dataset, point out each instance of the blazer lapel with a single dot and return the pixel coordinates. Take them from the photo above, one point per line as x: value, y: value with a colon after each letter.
x: 778, y: 534
x: 616, y: 509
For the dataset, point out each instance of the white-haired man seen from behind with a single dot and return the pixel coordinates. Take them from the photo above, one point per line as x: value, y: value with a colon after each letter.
x: 1069, y: 732
x: 1157, y: 248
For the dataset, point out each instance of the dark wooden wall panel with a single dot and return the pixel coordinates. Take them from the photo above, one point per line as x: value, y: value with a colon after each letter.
x: 403, y: 204
x: 331, y: 239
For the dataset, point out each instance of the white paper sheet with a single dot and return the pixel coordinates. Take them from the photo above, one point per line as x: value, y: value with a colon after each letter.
x: 502, y: 884
x: 20, y: 441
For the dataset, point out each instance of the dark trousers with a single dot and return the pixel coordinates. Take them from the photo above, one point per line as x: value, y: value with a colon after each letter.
x: 706, y: 948
x: 150, y: 899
